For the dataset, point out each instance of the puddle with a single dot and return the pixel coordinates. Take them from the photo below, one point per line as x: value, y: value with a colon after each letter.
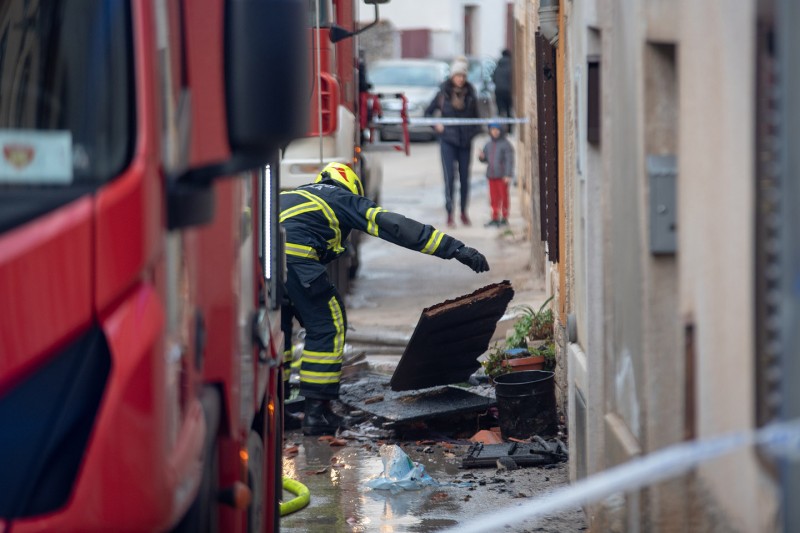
x: 393, y: 512
x: 340, y: 502
x: 335, y: 477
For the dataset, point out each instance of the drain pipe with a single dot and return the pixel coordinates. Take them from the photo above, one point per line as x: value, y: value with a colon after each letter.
x: 548, y: 20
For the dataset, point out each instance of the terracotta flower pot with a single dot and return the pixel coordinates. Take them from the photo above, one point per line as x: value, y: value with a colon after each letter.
x: 534, y: 362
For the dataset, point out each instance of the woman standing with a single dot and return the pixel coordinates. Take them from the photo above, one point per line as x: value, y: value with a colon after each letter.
x: 457, y: 98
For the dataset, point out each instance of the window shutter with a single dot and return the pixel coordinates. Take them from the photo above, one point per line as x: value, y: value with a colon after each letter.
x: 548, y: 143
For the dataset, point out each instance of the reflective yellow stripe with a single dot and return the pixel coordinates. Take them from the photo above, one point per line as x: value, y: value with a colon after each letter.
x: 301, y: 250
x: 333, y: 222
x: 319, y: 377
x: 433, y: 242
x: 299, y: 209
x: 329, y: 358
x: 372, y: 225
x: 338, y: 322
x: 289, y: 361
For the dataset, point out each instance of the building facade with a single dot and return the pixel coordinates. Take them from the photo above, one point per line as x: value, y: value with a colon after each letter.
x: 446, y: 28
x: 658, y: 178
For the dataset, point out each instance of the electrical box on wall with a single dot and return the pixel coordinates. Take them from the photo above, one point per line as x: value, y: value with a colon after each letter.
x: 662, y: 173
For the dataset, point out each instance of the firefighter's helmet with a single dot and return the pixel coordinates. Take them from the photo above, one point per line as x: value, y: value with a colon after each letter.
x: 341, y: 173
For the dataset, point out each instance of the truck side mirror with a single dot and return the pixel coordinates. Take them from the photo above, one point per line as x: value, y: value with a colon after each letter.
x: 266, y: 75
x: 266, y: 91
x: 337, y: 33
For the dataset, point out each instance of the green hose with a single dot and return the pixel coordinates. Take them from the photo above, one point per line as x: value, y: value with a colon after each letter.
x: 295, y: 504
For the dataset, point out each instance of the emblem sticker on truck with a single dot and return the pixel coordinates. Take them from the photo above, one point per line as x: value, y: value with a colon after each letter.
x: 35, y: 157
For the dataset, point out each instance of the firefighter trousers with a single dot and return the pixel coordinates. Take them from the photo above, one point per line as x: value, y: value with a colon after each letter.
x: 320, y: 310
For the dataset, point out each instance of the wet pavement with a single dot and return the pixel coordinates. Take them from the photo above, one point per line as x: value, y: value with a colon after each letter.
x: 393, y: 287
x: 340, y: 501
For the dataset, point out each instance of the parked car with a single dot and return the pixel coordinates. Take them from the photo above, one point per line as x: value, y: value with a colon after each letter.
x: 418, y: 79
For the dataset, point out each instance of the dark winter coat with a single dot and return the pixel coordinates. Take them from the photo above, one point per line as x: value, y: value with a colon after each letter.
x: 460, y: 136
x: 502, y: 75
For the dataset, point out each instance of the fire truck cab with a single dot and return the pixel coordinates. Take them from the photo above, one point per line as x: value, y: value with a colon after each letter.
x: 140, y: 261
x: 336, y: 119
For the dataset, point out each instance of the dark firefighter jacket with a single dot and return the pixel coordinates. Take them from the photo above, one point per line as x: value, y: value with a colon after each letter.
x: 318, y: 217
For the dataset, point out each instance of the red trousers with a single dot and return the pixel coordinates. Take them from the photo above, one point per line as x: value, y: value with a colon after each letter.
x: 498, y: 196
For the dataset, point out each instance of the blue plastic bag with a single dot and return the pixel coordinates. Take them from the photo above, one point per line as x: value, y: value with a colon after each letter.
x: 399, y: 472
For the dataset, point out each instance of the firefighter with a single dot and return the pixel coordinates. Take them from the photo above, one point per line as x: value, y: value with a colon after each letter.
x: 317, y: 219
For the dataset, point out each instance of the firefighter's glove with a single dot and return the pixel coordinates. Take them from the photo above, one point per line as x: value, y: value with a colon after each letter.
x: 472, y: 258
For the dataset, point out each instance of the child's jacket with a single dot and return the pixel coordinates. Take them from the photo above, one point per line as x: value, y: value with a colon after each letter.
x: 498, y: 154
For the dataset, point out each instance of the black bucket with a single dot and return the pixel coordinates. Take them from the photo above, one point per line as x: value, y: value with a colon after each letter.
x: 527, y: 404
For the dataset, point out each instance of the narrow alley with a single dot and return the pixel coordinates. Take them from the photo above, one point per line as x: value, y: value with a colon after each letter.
x: 181, y: 182
x: 393, y: 286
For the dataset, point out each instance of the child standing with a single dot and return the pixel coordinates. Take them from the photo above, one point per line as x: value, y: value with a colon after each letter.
x: 498, y: 154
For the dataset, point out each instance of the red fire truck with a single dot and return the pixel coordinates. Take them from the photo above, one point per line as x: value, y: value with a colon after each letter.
x: 337, y: 115
x: 140, y: 366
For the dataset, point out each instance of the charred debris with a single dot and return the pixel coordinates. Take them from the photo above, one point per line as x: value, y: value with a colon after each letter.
x: 430, y: 397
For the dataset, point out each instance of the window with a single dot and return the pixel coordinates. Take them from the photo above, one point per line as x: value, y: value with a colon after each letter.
x: 66, y: 92
x: 593, y: 100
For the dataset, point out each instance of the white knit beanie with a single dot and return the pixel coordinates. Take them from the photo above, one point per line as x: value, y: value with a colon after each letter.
x: 459, y: 66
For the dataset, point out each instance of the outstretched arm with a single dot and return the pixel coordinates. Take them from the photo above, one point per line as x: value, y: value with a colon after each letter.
x: 424, y: 238
x: 409, y: 233
x: 370, y: 218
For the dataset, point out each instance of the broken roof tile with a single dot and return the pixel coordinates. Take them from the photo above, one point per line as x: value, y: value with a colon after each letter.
x: 449, y: 338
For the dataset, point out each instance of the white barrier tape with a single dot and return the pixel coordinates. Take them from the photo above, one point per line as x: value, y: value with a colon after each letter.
x: 431, y: 121
x: 781, y: 440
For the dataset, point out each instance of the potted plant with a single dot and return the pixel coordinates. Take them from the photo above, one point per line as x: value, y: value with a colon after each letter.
x: 529, y: 345
x: 532, y: 325
x: 501, y: 360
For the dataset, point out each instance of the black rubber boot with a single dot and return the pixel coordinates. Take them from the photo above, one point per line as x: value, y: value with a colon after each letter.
x: 292, y: 420
x: 319, y: 419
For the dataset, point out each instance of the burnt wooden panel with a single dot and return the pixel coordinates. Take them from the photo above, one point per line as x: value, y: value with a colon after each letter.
x: 449, y: 338
x: 546, y: 107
